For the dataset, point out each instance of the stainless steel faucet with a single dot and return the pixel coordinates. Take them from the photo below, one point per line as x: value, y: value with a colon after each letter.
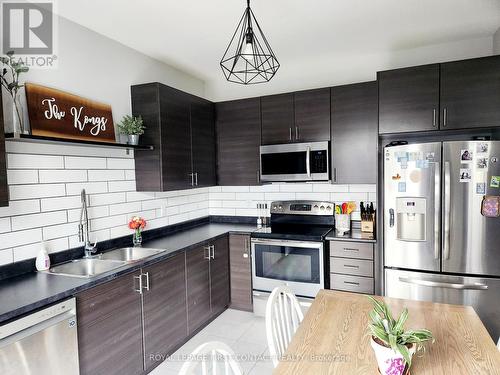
x: 83, y: 228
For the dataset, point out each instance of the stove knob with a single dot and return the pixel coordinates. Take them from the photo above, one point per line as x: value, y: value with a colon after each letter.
x: 275, y: 207
x: 316, y: 206
x: 281, y: 207
x: 322, y: 208
x: 328, y: 208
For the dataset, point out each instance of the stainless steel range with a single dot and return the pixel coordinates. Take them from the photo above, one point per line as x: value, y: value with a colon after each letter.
x: 291, y: 250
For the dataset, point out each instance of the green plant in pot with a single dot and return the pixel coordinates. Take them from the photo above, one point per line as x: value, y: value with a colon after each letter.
x: 10, y: 73
x: 133, y: 127
x: 393, y: 345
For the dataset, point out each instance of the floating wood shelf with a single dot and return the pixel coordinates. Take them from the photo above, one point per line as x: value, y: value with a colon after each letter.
x: 75, y: 142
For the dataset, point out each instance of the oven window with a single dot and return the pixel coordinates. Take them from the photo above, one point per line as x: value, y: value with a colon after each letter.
x: 284, y: 163
x: 287, y: 263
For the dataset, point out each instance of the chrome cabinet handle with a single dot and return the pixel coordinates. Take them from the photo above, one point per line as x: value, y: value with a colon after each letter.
x: 439, y: 284
x: 147, y: 280
x: 350, y: 249
x: 308, y: 162
x: 351, y: 283
x: 213, y: 251
x: 434, y: 117
x: 196, y: 179
x: 447, y: 203
x: 290, y: 136
x: 296, y: 133
x: 350, y: 266
x: 192, y: 178
x: 138, y: 277
x: 445, y: 115
x: 206, y: 252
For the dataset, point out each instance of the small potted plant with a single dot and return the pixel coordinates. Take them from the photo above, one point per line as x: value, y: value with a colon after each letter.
x: 137, y: 223
x: 393, y: 345
x: 133, y: 127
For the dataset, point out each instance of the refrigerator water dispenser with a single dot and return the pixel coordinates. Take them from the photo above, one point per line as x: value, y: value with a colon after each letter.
x: 411, y: 217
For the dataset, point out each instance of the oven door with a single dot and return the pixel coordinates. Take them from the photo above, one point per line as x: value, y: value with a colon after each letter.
x: 294, y: 162
x: 297, y: 264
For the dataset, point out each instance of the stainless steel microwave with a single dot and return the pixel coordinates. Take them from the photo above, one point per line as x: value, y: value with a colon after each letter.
x: 295, y: 162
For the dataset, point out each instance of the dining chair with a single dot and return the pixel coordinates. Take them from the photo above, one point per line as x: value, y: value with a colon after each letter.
x: 213, y: 357
x: 283, y: 316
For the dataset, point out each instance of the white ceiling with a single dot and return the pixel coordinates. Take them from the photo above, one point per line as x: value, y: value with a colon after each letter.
x: 317, y: 42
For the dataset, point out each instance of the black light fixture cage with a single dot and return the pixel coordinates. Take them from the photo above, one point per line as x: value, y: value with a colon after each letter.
x: 249, y: 58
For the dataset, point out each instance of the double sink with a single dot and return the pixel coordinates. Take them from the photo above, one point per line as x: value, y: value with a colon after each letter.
x: 101, y: 263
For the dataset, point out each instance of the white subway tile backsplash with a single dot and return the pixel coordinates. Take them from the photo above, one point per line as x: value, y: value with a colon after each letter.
x: 63, y: 175
x: 75, y: 162
x: 20, y: 208
x: 93, y: 212
x: 36, y: 191
x: 121, y: 186
x: 330, y: 188
x: 90, y: 188
x: 14, y: 239
x: 6, y: 257
x: 108, y: 222
x: 60, y: 203
x: 123, y: 208
x: 121, y: 163
x: 38, y: 220
x: 22, y: 176
x: 58, y: 231
x: 110, y: 198
x: 45, y: 182
x: 106, y: 175
x: 26, y: 161
x: 295, y: 188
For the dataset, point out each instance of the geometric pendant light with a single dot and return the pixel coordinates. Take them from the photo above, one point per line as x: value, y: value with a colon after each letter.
x: 249, y: 58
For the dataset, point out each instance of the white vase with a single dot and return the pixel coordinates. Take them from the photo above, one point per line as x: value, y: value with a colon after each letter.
x: 342, y: 223
x: 390, y: 362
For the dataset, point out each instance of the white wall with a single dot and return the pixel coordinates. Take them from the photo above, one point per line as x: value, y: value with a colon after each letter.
x: 345, y: 69
x: 496, y: 42
x: 96, y: 67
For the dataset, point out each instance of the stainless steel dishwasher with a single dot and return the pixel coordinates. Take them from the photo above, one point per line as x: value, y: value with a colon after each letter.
x: 42, y: 343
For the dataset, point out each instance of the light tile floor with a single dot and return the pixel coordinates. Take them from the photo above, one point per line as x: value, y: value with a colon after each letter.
x: 244, y: 332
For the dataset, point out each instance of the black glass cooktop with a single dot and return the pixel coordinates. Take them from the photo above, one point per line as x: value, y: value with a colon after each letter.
x: 293, y: 232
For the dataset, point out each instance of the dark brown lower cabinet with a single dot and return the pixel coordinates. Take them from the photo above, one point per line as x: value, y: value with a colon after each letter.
x: 240, y: 264
x: 123, y: 329
x: 198, y: 287
x: 219, y: 275
x: 110, y: 328
x: 164, y: 309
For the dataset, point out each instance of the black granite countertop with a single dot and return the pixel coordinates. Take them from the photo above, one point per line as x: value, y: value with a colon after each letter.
x: 354, y: 235
x: 25, y: 293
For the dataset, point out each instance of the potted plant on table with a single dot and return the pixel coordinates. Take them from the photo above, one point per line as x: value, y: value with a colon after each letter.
x: 137, y: 223
x: 133, y: 127
x: 393, y: 345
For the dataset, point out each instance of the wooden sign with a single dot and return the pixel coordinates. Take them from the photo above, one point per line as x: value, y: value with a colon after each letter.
x: 55, y: 113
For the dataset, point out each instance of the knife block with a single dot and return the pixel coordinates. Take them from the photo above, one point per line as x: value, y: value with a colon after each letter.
x: 368, y: 223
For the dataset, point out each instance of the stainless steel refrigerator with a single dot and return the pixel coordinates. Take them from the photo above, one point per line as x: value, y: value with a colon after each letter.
x: 438, y: 245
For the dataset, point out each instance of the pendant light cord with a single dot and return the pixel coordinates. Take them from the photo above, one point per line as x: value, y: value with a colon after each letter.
x: 248, y: 3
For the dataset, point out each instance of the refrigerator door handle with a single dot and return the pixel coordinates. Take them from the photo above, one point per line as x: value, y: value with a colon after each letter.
x: 391, y: 217
x: 437, y: 197
x: 447, y: 203
x: 438, y: 284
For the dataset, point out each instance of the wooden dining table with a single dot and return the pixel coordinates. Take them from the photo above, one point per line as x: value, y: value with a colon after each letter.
x: 333, y: 338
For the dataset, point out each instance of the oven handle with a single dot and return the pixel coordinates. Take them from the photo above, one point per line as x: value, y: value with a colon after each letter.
x: 309, y: 244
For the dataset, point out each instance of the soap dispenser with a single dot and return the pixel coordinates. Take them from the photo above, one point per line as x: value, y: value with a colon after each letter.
x: 42, y: 259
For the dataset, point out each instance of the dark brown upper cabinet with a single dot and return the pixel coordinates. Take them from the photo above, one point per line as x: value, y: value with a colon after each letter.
x: 277, y: 119
x: 409, y: 99
x: 354, y: 133
x: 181, y: 127
x: 238, y: 141
x: 470, y: 93
x: 312, y: 115
x: 4, y: 188
x: 302, y: 116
